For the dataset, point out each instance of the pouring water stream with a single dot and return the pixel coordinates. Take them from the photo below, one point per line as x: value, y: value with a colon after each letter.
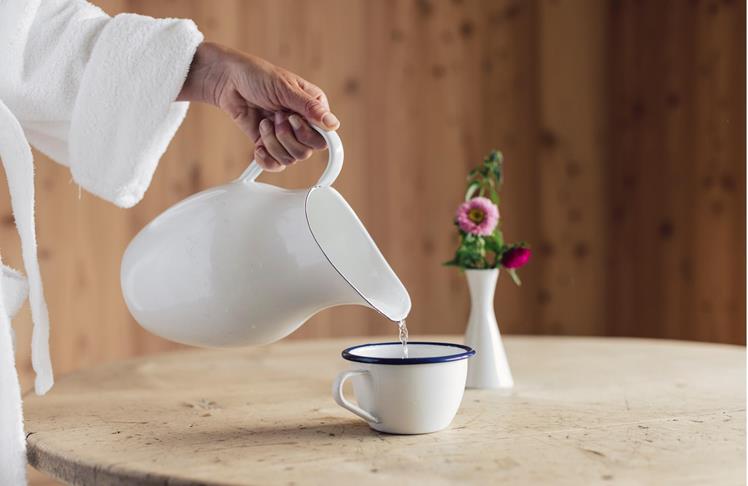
x: 403, y: 331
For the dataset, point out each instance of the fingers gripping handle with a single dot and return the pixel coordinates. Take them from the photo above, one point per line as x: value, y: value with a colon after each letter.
x: 337, y: 394
x: 334, y: 161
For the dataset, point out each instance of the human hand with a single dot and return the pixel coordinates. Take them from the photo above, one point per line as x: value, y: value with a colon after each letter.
x: 274, y: 107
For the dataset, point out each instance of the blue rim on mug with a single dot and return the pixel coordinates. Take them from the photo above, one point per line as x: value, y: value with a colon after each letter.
x: 467, y: 353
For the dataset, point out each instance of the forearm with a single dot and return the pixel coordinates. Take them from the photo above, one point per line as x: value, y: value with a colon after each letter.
x: 207, y: 75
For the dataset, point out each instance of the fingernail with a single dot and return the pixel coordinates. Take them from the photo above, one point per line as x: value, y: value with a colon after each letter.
x: 261, y: 152
x: 266, y: 126
x: 330, y: 120
x: 295, y: 122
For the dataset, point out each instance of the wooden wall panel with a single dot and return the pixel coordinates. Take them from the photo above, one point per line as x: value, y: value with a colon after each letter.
x: 677, y: 172
x: 572, y: 161
x: 622, y: 123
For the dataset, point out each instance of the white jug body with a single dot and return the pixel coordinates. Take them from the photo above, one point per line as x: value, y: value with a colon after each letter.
x: 248, y: 263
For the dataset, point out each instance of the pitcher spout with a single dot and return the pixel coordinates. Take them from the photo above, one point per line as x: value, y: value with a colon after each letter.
x: 351, y: 251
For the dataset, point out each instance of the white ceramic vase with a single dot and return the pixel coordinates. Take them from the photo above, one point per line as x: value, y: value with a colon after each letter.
x: 489, y: 367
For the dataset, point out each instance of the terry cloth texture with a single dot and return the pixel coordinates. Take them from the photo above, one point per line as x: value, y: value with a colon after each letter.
x: 94, y: 93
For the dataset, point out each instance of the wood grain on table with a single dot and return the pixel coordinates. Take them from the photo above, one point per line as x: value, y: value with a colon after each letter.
x: 584, y: 411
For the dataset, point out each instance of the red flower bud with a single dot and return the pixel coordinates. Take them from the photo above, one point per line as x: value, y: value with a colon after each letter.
x: 516, y: 257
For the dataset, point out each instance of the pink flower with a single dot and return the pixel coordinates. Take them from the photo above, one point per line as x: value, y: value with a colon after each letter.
x: 516, y: 257
x: 478, y: 216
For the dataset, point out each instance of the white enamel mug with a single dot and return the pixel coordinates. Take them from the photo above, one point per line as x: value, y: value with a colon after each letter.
x: 415, y: 395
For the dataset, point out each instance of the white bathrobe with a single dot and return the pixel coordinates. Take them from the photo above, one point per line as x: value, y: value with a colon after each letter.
x: 94, y: 93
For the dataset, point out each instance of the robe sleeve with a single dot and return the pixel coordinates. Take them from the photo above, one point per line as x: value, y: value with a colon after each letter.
x: 97, y: 93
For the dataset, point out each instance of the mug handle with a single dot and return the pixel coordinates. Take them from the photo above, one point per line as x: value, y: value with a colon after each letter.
x: 334, y: 161
x: 337, y: 394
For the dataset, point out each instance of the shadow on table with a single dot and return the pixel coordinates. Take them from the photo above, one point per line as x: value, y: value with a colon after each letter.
x: 271, y: 434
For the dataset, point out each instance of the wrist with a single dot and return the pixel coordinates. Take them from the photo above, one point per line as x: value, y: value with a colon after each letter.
x: 206, y: 77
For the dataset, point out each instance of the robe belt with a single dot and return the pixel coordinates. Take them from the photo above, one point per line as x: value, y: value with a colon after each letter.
x: 18, y: 162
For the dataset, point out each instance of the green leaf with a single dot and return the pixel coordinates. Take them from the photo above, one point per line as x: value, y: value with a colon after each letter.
x: 472, y: 187
x: 499, y: 236
x: 494, y: 244
x: 494, y: 196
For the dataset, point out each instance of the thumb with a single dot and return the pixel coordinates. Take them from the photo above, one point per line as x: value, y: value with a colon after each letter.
x: 314, y: 109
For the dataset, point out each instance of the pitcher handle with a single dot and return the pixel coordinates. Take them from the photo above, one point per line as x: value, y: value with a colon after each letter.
x: 334, y: 161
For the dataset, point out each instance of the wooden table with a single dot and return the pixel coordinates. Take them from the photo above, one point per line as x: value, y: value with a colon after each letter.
x: 584, y: 411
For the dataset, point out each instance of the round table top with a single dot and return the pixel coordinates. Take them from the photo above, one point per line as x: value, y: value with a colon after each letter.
x: 584, y: 410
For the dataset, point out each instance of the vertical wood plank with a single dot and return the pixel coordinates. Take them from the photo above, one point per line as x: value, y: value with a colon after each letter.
x: 677, y: 174
x: 572, y: 162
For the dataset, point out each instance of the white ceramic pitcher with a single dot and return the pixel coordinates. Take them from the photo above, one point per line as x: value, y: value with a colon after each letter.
x: 248, y: 263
